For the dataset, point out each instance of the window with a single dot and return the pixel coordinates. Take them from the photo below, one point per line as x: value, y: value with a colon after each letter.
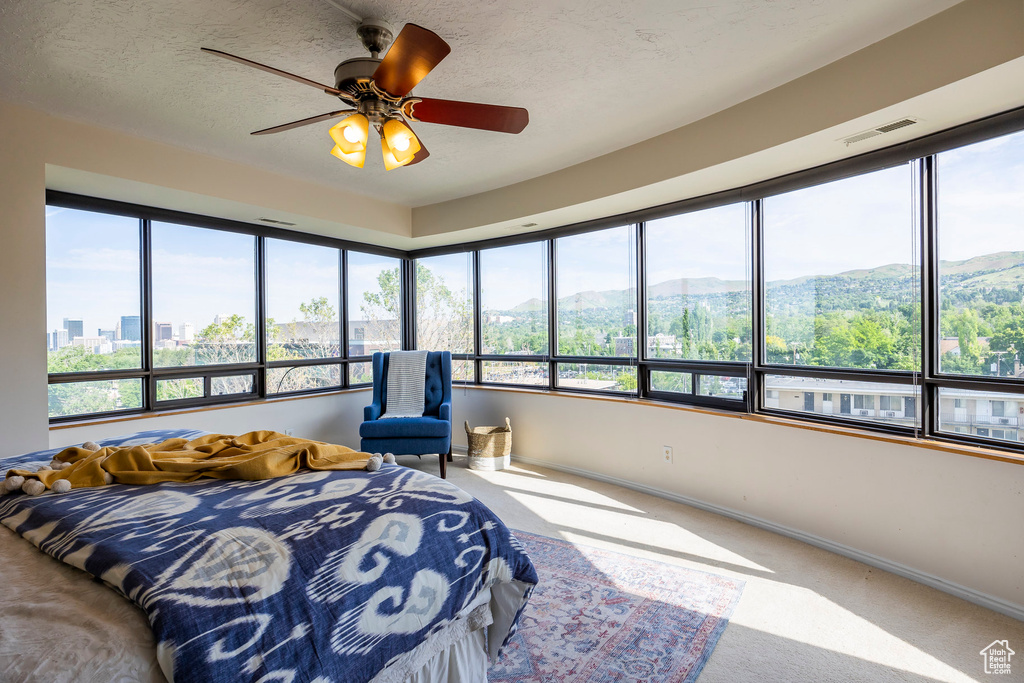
x: 92, y: 292
x: 197, y: 337
x: 514, y: 300
x: 374, y: 304
x: 981, y: 256
x: 861, y: 402
x: 596, y: 377
x: 671, y: 382
x: 515, y: 372
x: 444, y: 305
x: 978, y: 410
x: 303, y: 315
x: 596, y: 289
x: 856, y: 399
x: 72, y: 399
x: 840, y: 280
x: 204, y: 286
x: 698, y: 285
x: 715, y: 386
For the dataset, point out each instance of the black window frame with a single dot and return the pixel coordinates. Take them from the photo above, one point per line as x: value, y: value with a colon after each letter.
x: 924, y: 382
x: 150, y: 375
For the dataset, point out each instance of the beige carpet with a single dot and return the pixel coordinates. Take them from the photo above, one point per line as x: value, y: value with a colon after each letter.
x: 806, y: 614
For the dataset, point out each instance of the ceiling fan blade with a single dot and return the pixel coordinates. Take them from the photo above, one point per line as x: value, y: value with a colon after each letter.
x: 466, y: 114
x: 269, y: 69
x: 412, y: 56
x: 302, y: 122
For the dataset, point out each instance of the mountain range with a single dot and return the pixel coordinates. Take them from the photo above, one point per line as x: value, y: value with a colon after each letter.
x: 1002, y: 270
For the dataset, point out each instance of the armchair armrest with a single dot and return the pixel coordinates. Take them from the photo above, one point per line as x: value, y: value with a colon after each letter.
x: 444, y: 411
x: 371, y: 412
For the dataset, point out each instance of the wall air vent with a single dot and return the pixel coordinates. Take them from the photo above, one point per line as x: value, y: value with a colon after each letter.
x: 880, y: 130
x: 274, y: 222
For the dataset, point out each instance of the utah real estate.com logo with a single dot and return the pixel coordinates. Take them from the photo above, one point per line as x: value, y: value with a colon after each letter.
x: 997, y: 657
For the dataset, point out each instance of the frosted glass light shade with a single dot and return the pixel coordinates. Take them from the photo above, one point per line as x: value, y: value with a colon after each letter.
x: 391, y: 162
x: 356, y: 159
x: 351, y: 133
x: 401, y: 140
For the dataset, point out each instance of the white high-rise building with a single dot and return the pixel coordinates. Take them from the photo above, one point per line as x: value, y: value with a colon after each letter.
x: 186, y: 332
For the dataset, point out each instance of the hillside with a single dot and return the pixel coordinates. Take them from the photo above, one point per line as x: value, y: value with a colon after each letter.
x: 960, y: 280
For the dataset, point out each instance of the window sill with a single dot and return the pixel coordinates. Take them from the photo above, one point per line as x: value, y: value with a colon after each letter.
x: 930, y: 444
x: 202, y: 409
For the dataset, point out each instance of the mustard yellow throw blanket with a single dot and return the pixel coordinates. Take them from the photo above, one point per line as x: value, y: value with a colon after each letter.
x: 251, y: 456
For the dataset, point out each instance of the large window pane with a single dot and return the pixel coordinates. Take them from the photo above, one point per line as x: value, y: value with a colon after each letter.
x: 303, y: 290
x: 879, y: 402
x: 101, y: 396
x: 374, y: 304
x: 673, y: 382
x: 204, y: 289
x: 715, y: 386
x: 179, y: 388
x: 503, y: 372
x: 514, y: 299
x: 983, y: 414
x: 302, y: 378
x: 621, y: 378
x: 698, y: 285
x: 981, y: 258
x: 841, y: 287
x: 360, y: 373
x: 596, y: 289
x: 444, y: 303
x: 92, y: 291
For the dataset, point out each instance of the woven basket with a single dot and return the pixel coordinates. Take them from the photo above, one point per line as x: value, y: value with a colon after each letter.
x: 489, y: 447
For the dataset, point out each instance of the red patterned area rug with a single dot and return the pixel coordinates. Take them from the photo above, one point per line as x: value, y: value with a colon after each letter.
x: 599, y: 616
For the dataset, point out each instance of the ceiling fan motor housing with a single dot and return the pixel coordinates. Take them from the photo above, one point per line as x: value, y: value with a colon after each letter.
x: 354, y: 76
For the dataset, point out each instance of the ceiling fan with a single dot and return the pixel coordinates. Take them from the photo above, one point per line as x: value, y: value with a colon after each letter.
x: 378, y: 90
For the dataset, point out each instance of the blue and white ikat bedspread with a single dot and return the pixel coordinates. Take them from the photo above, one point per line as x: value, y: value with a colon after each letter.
x: 318, y: 576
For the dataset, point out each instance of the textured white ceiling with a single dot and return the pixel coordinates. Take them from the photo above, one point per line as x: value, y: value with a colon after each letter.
x: 596, y: 75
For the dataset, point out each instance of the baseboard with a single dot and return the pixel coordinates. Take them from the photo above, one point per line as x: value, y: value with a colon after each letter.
x: 969, y: 594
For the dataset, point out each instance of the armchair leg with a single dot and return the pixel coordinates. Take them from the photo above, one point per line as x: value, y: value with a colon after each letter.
x: 450, y: 458
x: 444, y: 463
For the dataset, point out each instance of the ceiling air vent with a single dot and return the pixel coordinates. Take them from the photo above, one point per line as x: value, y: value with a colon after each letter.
x: 873, y: 132
x: 273, y: 222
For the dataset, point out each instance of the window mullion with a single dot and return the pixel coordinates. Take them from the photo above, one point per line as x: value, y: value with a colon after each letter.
x: 343, y: 316
x: 261, y: 316
x: 929, y: 294
x: 146, y: 333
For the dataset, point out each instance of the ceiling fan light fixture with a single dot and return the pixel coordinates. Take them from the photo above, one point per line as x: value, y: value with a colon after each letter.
x: 391, y: 162
x: 401, y: 140
x: 351, y: 134
x: 357, y: 158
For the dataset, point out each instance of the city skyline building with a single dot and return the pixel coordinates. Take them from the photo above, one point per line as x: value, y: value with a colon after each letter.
x: 131, y: 328
x: 75, y: 327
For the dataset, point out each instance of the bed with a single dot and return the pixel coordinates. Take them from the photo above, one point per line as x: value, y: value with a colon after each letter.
x: 325, y: 576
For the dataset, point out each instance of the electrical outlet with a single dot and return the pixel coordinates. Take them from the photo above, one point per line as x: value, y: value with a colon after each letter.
x: 666, y: 454
x: 289, y: 432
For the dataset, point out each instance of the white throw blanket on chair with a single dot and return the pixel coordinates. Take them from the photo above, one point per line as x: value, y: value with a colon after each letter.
x: 407, y: 375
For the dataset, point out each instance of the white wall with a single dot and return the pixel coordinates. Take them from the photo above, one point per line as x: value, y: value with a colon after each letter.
x: 948, y: 515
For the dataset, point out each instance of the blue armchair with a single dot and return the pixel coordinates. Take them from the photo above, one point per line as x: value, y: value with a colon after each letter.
x: 431, y: 433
